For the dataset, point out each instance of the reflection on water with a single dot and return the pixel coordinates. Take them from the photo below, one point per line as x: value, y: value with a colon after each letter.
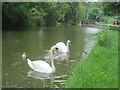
x: 46, y: 76
x: 90, y: 40
x: 16, y: 72
x: 38, y: 75
x: 92, y: 30
x: 59, y: 56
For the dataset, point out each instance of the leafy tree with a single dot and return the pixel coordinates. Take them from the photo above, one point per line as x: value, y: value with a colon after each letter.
x: 112, y: 8
x: 14, y: 14
x: 94, y: 10
x: 36, y: 17
x: 95, y: 14
x: 112, y: 11
x: 82, y: 12
x: 22, y: 14
x: 61, y: 10
x: 75, y: 13
x: 55, y: 12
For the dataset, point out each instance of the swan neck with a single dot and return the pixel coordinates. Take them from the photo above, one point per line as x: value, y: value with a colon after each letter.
x: 52, y: 61
x: 67, y: 46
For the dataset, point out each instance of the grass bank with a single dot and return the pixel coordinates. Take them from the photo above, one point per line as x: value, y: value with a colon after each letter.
x: 116, y: 27
x: 100, y: 68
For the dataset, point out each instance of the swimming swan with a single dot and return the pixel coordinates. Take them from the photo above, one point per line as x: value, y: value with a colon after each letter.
x: 42, y: 66
x: 61, y: 47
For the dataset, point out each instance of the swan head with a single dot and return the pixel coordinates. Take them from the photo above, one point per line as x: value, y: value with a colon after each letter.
x: 57, y: 49
x: 68, y: 41
x: 24, y: 53
x: 53, y: 48
x: 24, y: 56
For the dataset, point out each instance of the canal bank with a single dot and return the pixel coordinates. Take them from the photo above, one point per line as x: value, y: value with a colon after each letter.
x: 100, y: 68
x: 111, y: 26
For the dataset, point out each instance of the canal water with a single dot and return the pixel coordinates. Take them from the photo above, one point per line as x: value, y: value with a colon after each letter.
x: 35, y: 42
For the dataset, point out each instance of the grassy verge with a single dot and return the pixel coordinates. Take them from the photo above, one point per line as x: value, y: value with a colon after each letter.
x: 100, y: 68
x: 110, y: 25
x: 103, y: 24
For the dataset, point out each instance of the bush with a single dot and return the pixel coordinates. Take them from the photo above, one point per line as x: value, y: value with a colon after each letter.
x: 110, y: 21
x: 104, y: 39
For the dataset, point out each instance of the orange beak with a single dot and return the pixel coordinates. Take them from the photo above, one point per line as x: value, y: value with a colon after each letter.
x: 57, y: 50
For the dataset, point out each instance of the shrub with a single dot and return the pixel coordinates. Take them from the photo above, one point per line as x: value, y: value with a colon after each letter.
x: 104, y: 39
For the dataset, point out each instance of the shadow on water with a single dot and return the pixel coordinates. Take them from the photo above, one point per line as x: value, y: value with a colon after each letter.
x: 15, y: 71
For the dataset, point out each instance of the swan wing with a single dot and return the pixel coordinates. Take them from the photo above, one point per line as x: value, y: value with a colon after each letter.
x: 40, y: 66
x: 61, y: 44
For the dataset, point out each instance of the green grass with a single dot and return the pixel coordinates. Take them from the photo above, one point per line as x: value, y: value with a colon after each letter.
x: 100, y: 68
x: 107, y: 24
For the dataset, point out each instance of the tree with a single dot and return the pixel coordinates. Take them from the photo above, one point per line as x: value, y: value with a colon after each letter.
x: 112, y: 8
x: 95, y: 14
x: 36, y: 17
x: 14, y: 14
x: 55, y: 12
x: 23, y: 14
x: 76, y: 13
x: 94, y: 11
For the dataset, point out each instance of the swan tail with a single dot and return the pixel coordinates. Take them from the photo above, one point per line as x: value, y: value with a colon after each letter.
x: 29, y: 61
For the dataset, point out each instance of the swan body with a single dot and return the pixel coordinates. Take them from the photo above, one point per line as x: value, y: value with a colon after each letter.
x: 61, y: 52
x: 42, y: 66
x: 62, y: 47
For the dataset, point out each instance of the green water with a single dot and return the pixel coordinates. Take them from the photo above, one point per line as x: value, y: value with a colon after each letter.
x: 34, y: 42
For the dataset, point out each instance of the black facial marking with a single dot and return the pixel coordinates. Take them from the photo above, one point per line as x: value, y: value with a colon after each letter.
x: 56, y: 48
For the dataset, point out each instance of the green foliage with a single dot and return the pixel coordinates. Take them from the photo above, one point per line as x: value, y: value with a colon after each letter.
x: 110, y: 20
x: 104, y: 39
x: 14, y: 14
x: 99, y: 69
x: 76, y: 13
x: 112, y: 8
x: 50, y: 9
x: 36, y: 17
x: 62, y: 9
x: 19, y: 14
x: 56, y: 12
x: 94, y: 10
x: 95, y: 14
x: 81, y: 12
x: 33, y: 14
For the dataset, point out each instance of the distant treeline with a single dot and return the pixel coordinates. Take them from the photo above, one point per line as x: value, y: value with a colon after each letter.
x: 27, y: 14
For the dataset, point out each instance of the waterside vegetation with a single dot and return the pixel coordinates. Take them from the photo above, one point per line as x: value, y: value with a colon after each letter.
x: 32, y: 14
x: 100, y: 68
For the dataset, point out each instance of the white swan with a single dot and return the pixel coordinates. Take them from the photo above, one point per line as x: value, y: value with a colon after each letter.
x: 61, y: 52
x: 61, y: 47
x: 42, y: 66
